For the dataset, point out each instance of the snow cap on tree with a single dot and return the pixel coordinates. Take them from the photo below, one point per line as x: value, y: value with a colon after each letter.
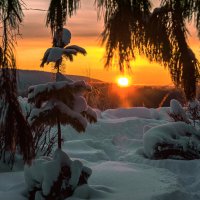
x: 63, y: 34
x: 60, y: 49
x: 61, y: 99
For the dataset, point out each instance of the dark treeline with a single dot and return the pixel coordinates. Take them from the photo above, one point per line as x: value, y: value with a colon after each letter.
x: 105, y: 96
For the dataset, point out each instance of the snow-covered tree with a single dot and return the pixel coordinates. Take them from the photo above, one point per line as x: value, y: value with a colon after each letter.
x: 61, y: 103
x: 56, y: 18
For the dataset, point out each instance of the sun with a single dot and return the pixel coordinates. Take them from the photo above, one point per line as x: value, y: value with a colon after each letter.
x: 123, y: 81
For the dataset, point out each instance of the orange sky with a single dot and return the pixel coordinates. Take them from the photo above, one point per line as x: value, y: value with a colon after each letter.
x: 85, y: 29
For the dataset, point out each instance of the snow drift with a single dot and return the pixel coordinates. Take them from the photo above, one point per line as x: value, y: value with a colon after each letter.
x: 113, y: 149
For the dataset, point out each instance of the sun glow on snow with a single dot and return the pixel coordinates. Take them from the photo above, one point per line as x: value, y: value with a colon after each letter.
x: 123, y: 81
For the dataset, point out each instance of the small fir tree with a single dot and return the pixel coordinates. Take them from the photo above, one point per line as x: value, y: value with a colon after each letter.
x: 56, y: 18
x: 61, y: 103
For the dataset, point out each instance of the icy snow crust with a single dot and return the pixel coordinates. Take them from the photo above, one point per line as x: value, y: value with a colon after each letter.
x: 113, y: 149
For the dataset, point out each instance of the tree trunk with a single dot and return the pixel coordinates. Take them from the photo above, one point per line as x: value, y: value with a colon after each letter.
x: 59, y: 134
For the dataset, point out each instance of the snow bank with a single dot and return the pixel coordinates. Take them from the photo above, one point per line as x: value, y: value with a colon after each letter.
x: 12, y: 186
x: 128, y: 112
x: 131, y: 181
x: 113, y: 149
x: 140, y: 112
x: 110, y: 181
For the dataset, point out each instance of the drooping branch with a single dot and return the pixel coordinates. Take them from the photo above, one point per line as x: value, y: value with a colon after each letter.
x: 58, y: 12
x: 161, y: 35
x: 168, y: 39
x: 15, y: 132
x: 124, y: 30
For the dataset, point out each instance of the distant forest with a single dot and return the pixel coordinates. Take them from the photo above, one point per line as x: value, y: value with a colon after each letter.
x: 105, y: 96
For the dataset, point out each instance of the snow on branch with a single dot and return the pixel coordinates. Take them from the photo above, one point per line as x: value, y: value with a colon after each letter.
x: 54, y: 109
x: 77, y: 48
x: 62, y: 90
x: 61, y: 101
x: 90, y: 114
x: 60, y: 49
x: 55, y: 53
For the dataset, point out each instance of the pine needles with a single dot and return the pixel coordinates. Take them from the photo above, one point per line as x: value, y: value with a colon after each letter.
x: 15, y: 133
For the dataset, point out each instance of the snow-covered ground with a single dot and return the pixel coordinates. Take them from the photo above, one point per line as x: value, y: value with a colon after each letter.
x: 113, y: 149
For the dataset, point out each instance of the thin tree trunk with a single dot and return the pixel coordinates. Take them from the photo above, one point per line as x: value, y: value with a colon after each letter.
x: 59, y: 134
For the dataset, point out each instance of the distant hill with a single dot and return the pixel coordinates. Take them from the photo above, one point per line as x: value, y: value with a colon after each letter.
x: 26, y: 78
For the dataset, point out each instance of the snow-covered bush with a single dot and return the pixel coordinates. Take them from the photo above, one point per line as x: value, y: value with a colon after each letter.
x: 193, y: 111
x: 178, y: 139
x: 172, y: 140
x: 177, y: 112
x: 55, y: 178
x: 191, y: 114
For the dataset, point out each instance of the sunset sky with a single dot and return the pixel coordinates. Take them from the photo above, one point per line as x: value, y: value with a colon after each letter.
x: 86, y: 30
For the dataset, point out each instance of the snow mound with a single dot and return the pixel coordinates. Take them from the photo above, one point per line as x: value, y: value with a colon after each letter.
x: 140, y: 112
x: 44, y: 172
x: 128, y: 112
x: 172, y: 139
x: 129, y: 181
